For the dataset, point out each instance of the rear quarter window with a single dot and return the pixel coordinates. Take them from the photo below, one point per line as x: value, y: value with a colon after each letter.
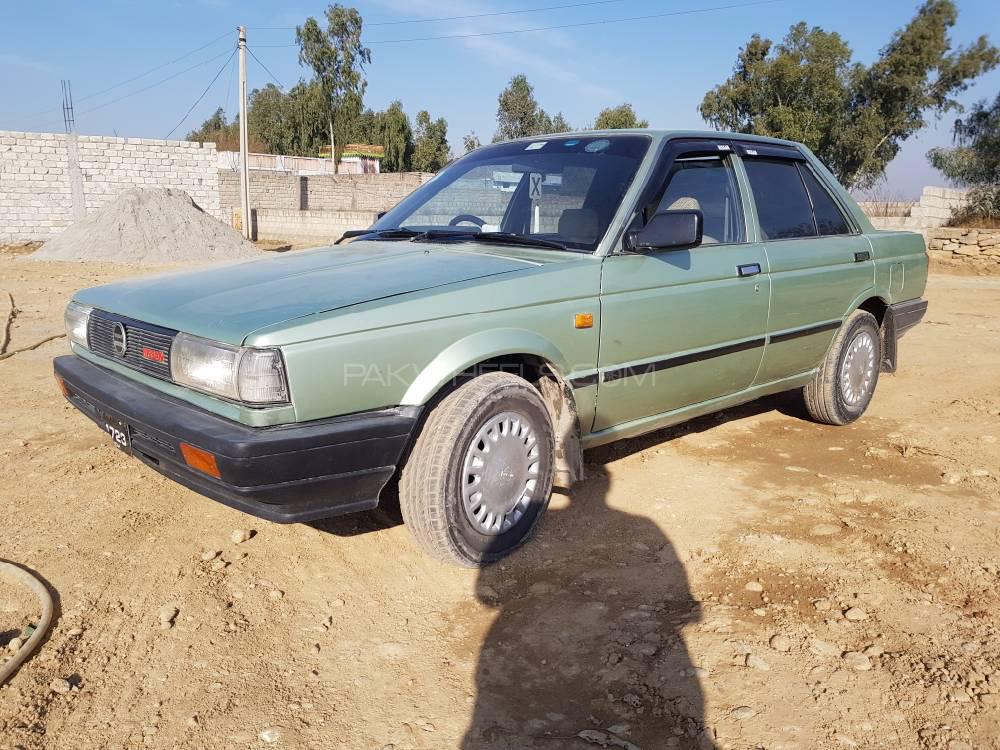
x: 829, y: 218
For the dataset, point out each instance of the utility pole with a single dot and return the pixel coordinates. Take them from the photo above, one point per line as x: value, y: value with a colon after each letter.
x: 69, y: 123
x: 244, y: 136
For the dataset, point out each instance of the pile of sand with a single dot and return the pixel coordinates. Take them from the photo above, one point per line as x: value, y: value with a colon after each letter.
x: 148, y: 227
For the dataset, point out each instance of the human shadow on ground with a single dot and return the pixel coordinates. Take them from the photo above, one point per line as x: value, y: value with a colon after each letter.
x: 588, y: 636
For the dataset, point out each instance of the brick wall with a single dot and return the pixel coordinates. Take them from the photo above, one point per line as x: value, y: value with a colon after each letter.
x: 49, y: 180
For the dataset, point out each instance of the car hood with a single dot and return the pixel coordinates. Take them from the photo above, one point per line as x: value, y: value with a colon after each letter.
x: 228, y: 302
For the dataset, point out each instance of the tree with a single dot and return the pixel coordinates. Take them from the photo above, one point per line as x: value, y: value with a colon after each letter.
x: 621, y: 117
x: 397, y: 138
x: 430, y: 148
x: 548, y: 124
x: 337, y: 57
x: 855, y: 118
x: 470, y: 142
x: 517, y: 110
x: 974, y: 161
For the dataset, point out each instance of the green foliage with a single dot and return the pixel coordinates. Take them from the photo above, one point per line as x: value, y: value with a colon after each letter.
x: 337, y: 58
x: 218, y: 130
x: 621, y: 117
x: 975, y: 160
x: 519, y: 116
x: 396, y: 137
x: 430, y: 149
x: 855, y: 118
x: 470, y: 142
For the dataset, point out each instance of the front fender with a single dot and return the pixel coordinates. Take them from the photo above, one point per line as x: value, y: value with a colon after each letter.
x: 477, y: 348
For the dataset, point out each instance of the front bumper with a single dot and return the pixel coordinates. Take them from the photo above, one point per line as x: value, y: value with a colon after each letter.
x: 287, y: 474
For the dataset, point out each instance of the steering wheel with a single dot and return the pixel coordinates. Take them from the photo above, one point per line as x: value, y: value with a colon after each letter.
x: 469, y: 218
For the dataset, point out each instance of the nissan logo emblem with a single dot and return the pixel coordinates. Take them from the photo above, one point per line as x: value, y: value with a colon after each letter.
x: 118, y: 341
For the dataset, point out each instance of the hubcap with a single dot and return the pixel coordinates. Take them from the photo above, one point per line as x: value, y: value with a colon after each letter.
x: 858, y: 370
x: 500, y: 473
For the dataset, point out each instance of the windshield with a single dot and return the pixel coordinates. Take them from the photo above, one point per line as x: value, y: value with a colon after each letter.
x: 562, y: 190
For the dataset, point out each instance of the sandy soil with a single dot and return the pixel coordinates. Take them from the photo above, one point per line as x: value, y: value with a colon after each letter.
x: 748, y: 580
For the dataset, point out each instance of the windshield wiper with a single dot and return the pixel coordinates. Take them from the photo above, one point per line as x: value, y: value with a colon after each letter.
x: 499, y: 238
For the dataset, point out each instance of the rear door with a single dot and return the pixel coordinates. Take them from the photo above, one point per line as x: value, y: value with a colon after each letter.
x: 819, y: 260
x: 680, y: 327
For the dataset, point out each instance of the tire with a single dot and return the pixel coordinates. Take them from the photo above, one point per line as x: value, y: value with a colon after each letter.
x: 437, y: 491
x: 845, y: 382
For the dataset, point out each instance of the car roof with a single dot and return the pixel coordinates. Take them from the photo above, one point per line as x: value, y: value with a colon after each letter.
x: 661, y: 134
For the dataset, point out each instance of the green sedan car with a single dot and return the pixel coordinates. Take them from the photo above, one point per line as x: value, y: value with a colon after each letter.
x: 534, y: 299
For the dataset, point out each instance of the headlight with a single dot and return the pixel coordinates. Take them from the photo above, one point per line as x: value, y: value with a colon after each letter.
x: 255, y: 376
x: 76, y: 318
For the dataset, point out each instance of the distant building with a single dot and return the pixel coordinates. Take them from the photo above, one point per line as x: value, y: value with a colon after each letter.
x: 357, y: 158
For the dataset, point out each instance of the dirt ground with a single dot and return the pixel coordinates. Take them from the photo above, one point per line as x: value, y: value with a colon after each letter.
x: 749, y: 580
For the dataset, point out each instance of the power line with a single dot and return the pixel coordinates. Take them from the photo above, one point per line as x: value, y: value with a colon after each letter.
x: 196, y: 101
x: 229, y: 86
x: 273, y: 76
x: 135, y: 78
x: 154, y: 85
x: 462, y: 18
x: 651, y: 16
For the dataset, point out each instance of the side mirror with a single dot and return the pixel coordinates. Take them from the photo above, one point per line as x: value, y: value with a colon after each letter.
x: 668, y: 230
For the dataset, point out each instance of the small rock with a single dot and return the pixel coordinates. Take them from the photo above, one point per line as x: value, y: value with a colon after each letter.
x: 337, y: 603
x: 858, y: 661
x: 958, y: 745
x: 856, y: 614
x: 742, y: 712
x: 823, y: 648
x: 315, y: 649
x: 167, y: 615
x: 242, y: 535
x: 276, y: 594
x: 210, y: 554
x: 219, y: 564
x: 952, y: 477
x: 754, y: 586
x: 874, y: 650
x: 822, y: 605
x: 74, y: 632
x: 192, y: 721
x: 271, y: 734
x: 759, y: 611
x: 755, y: 662
x: 60, y: 686
x: 15, y: 645
x: 780, y: 642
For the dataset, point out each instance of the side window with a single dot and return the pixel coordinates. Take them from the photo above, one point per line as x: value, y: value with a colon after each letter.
x: 783, y: 207
x: 706, y: 183
x: 829, y: 218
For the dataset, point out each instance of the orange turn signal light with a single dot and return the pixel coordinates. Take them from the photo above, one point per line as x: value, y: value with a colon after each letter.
x: 62, y: 386
x: 200, y: 460
x: 584, y: 320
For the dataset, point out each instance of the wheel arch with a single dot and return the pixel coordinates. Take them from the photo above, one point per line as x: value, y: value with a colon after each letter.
x: 523, y: 353
x: 878, y: 306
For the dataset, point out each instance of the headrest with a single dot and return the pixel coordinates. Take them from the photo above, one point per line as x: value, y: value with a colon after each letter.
x: 578, y: 225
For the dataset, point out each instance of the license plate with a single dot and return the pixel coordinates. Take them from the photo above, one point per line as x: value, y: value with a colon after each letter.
x: 118, y: 431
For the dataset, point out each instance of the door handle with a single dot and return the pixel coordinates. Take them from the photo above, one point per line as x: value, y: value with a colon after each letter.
x: 749, y: 269
x: 862, y: 256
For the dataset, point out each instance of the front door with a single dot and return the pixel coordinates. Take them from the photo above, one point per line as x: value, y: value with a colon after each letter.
x: 680, y: 327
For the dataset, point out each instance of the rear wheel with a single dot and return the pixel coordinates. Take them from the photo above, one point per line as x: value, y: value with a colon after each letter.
x: 845, y: 383
x: 480, y: 473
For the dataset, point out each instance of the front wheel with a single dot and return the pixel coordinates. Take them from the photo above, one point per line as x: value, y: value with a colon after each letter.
x: 480, y: 474
x: 844, y: 384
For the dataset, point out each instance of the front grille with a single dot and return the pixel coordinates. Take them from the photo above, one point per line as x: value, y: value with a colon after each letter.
x: 147, y: 347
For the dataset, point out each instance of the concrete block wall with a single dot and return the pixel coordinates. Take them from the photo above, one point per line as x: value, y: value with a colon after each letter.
x: 341, y: 192
x: 934, y: 209
x: 321, y: 227
x: 49, y: 180
x: 980, y: 246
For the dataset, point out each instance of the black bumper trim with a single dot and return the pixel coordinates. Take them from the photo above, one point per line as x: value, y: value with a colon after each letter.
x: 288, y: 473
x: 905, y: 315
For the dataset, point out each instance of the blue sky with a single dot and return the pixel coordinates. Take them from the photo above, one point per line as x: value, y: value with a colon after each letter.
x: 663, y: 66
